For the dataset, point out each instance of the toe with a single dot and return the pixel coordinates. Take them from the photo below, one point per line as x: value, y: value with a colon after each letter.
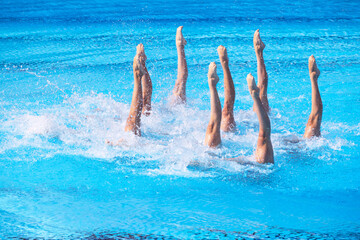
x: 312, y: 58
x: 179, y: 29
x: 312, y: 63
x: 251, y: 82
x: 140, y: 49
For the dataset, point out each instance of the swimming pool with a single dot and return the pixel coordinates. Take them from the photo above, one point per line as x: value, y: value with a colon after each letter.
x: 66, y: 86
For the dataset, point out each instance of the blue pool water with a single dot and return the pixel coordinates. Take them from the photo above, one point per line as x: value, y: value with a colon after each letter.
x: 66, y: 86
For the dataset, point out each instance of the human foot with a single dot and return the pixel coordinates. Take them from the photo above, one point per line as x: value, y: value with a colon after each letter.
x: 140, y: 52
x: 313, y: 69
x: 253, y: 89
x: 213, y: 78
x: 258, y: 44
x: 145, y: 80
x: 223, y: 54
x: 138, y: 66
x: 180, y: 40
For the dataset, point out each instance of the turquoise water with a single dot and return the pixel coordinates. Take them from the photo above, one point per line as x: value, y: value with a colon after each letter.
x: 66, y: 86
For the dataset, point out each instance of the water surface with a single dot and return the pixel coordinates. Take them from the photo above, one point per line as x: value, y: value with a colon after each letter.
x: 66, y: 86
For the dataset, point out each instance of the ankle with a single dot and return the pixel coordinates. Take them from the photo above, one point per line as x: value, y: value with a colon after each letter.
x: 259, y: 56
x: 225, y: 64
x: 180, y: 46
x: 212, y: 85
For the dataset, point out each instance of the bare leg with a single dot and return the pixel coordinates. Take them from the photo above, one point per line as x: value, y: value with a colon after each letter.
x: 212, y: 136
x: 179, y: 91
x: 227, y: 119
x: 145, y: 81
x: 314, y: 122
x: 147, y: 92
x: 133, y: 121
x: 261, y: 70
x: 264, y: 150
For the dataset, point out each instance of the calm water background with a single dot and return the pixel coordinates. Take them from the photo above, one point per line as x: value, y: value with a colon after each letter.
x: 66, y: 86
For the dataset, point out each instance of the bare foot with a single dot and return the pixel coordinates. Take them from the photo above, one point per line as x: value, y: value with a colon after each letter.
x: 258, y: 44
x: 253, y: 89
x: 145, y: 80
x: 213, y: 78
x: 223, y: 54
x: 212, y: 136
x: 140, y: 52
x: 138, y: 66
x: 180, y: 40
x: 313, y: 69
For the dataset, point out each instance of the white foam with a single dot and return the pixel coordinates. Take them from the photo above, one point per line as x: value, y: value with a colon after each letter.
x: 173, y: 137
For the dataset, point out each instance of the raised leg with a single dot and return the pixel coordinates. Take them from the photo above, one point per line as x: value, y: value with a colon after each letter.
x: 133, y: 121
x: 313, y: 125
x: 179, y: 91
x: 227, y: 119
x: 261, y: 70
x: 264, y: 150
x: 212, y: 136
x: 145, y: 82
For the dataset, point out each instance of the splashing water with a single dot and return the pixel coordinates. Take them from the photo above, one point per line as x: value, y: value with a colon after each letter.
x: 66, y: 85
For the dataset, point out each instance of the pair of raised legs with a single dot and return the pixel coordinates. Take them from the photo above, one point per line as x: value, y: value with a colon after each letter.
x: 313, y: 125
x: 141, y: 99
x: 179, y: 92
x: 225, y: 121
